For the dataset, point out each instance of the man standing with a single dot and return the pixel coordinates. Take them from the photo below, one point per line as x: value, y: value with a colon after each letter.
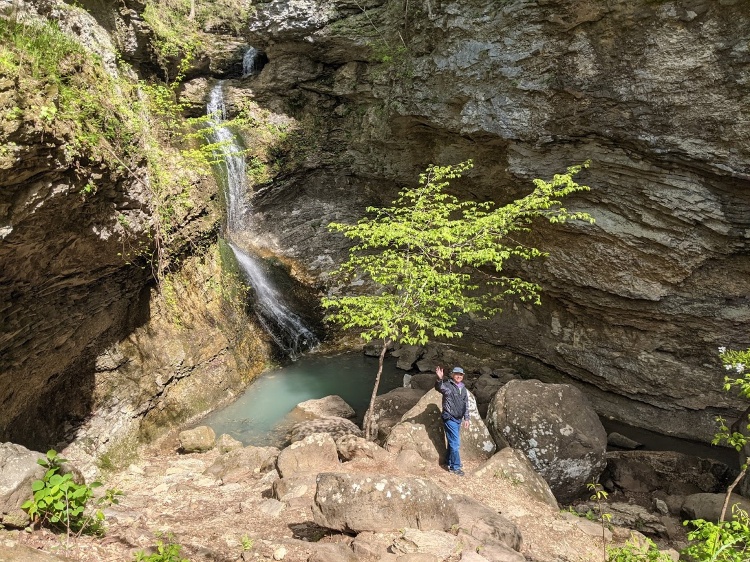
x: 455, y: 409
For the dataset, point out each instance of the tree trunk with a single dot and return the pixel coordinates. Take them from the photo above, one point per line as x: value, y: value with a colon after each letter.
x: 191, y: 15
x: 729, y: 494
x: 367, y: 426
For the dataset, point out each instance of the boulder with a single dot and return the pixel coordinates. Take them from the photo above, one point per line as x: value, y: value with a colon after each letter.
x: 557, y: 429
x: 438, y: 544
x: 708, y: 506
x: 627, y: 515
x: 485, y: 525
x: 335, y: 427
x: 11, y: 551
x: 618, y: 440
x: 198, y: 440
x: 314, y: 453
x: 18, y: 469
x: 352, y: 447
x: 361, y: 502
x: 327, y: 407
x: 421, y: 430
x: 675, y: 473
x: 514, y: 466
x: 485, y: 389
x: 390, y: 407
x: 423, y: 381
x: 337, y: 552
x: 226, y: 443
x: 407, y: 355
x: 296, y: 486
x: 240, y: 464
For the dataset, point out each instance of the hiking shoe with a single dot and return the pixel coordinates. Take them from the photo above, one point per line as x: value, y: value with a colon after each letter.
x: 457, y: 472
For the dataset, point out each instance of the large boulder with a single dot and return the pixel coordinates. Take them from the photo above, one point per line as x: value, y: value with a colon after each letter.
x: 197, y: 440
x: 327, y: 407
x: 709, y: 506
x: 557, y: 429
x: 514, y: 466
x: 314, y: 453
x: 335, y: 427
x: 240, y: 464
x: 484, y: 524
x: 352, y: 447
x: 421, y: 429
x: 675, y: 473
x: 18, y: 469
x: 390, y: 407
x: 487, y: 386
x: 362, y: 502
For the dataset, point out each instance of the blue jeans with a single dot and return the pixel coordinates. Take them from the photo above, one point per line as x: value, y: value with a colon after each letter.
x: 452, y: 458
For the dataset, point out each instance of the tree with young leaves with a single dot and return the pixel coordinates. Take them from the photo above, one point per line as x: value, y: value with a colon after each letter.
x: 423, y: 260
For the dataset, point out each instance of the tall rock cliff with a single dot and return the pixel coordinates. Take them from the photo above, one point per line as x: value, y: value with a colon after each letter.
x: 89, y: 349
x: 654, y: 93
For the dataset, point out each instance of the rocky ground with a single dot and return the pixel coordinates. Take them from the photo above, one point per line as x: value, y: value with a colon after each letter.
x: 166, y: 493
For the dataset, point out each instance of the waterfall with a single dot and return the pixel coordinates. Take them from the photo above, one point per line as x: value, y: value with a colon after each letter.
x: 284, y: 326
x: 248, y: 61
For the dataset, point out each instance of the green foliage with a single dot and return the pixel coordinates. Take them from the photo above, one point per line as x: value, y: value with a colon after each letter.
x: 599, y: 495
x: 643, y: 550
x: 247, y: 543
x: 726, y: 541
x: 168, y: 551
x: 419, y: 257
x: 60, y: 502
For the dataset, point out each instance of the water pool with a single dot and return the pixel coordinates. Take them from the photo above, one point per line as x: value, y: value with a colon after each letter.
x: 260, y: 415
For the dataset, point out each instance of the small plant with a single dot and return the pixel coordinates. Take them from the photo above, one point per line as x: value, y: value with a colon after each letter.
x: 599, y: 495
x: 644, y: 550
x: 60, y: 502
x: 166, y: 551
x: 247, y: 543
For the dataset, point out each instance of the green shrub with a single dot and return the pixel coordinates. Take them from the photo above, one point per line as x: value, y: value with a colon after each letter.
x: 726, y: 541
x: 168, y: 551
x: 637, y: 551
x: 61, y: 503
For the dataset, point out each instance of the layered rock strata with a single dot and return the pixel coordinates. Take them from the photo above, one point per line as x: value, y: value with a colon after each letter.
x: 635, y: 306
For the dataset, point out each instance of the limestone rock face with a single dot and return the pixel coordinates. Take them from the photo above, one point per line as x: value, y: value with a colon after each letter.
x: 88, y: 349
x: 557, y: 429
x: 634, y: 306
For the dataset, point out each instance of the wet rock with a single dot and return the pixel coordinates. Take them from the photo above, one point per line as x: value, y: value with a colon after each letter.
x: 557, y: 429
x: 407, y: 356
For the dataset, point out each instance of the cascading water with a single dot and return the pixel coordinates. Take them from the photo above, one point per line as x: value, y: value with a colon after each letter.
x: 285, y: 327
x: 248, y: 62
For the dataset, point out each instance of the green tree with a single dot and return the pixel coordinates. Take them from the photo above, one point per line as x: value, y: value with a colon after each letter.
x: 423, y: 259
